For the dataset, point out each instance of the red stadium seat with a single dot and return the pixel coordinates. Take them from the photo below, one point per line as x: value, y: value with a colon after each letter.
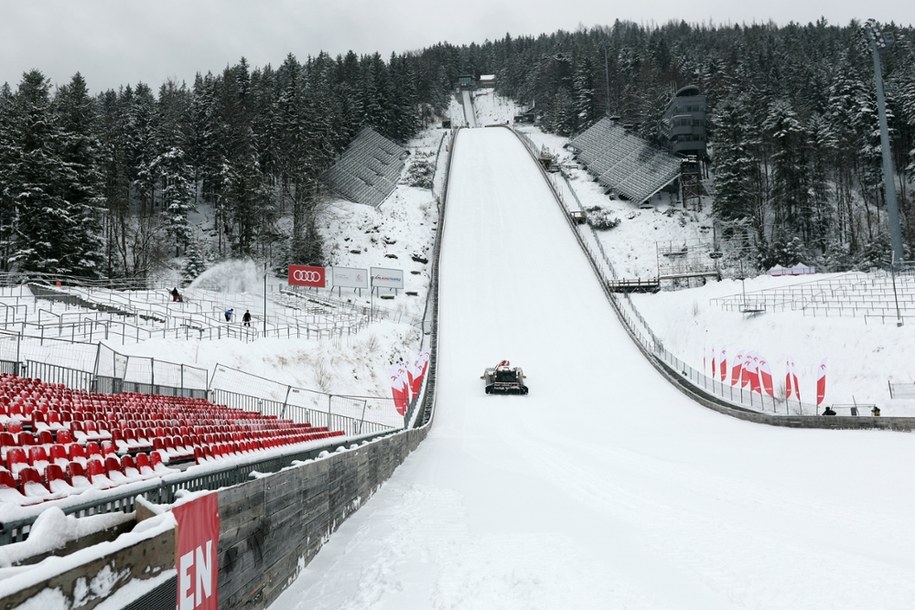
x: 57, y: 481
x: 129, y: 466
x: 9, y: 491
x: 95, y: 469
x: 64, y: 437
x: 39, y: 420
x: 38, y: 458
x: 57, y: 454
x: 7, y: 440
x: 77, y: 453
x: 30, y: 483
x: 16, y: 460
x: 144, y: 465
x: 155, y: 460
x: 113, y: 469
x: 77, y: 474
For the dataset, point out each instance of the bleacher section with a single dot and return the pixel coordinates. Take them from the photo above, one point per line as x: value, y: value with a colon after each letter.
x: 56, y: 442
x: 624, y: 163
x: 875, y: 296
x: 368, y: 170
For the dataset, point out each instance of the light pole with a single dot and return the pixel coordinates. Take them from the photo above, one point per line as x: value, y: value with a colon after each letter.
x: 876, y: 40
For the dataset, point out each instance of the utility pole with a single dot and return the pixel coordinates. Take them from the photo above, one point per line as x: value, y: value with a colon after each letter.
x: 876, y: 40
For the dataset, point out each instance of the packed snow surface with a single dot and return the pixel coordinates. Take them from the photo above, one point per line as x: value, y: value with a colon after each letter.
x: 605, y: 487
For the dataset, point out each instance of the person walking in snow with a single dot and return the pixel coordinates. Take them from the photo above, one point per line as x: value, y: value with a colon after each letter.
x: 229, y: 313
x: 175, y: 294
x: 246, y: 319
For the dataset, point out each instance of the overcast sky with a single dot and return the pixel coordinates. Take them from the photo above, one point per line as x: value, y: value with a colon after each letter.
x: 115, y: 42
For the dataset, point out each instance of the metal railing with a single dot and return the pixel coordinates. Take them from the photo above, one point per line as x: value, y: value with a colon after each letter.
x: 333, y: 418
x: 426, y: 407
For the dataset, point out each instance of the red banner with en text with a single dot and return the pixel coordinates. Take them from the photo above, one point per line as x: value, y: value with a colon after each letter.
x: 196, y: 553
x: 305, y: 275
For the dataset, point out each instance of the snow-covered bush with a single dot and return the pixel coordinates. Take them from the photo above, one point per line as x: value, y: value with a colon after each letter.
x: 421, y: 170
x: 601, y: 218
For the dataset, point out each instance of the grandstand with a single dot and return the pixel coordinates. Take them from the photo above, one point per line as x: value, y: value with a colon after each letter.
x: 368, y: 170
x: 57, y: 442
x: 92, y: 313
x: 624, y: 163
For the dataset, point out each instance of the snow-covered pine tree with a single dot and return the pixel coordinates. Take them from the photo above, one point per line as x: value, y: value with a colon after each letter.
x: 583, y: 88
x: 142, y: 147
x: 176, y: 195
x: 7, y: 156
x: 82, y: 190
x: 734, y: 162
x: 376, y: 94
x: 36, y: 181
x: 194, y: 264
x: 791, y: 201
x: 404, y: 102
x: 823, y: 144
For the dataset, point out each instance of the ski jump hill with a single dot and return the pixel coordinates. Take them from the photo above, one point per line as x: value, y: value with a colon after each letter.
x: 609, y: 485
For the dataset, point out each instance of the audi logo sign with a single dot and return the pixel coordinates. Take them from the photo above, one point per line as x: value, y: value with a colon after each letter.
x: 303, y: 275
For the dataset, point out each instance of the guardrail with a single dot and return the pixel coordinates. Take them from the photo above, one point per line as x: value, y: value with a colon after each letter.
x: 430, y: 314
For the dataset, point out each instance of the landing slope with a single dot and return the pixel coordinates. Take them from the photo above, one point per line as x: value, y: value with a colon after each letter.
x: 605, y: 487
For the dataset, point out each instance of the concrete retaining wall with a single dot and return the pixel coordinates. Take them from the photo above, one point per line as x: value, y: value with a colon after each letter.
x: 273, y: 527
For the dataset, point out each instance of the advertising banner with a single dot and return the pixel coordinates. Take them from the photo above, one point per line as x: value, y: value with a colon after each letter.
x: 196, y: 554
x: 350, y: 277
x: 387, y: 278
x: 304, y: 275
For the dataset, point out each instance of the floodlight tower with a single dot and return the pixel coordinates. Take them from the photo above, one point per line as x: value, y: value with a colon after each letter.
x: 878, y: 40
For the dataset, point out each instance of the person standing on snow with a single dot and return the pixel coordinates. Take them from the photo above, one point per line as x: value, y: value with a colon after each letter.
x: 246, y: 319
x: 229, y: 313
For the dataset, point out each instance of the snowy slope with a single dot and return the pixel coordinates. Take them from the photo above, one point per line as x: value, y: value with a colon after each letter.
x: 605, y: 487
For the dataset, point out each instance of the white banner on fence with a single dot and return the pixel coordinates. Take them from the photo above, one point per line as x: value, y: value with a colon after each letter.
x: 387, y: 278
x: 350, y: 277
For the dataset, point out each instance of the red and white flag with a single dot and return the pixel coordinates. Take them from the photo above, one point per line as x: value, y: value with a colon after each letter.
x: 821, y: 382
x: 723, y: 365
x: 765, y: 376
x: 416, y: 373
x: 400, y: 388
x: 714, y: 362
x: 737, y: 368
x: 754, y: 375
x: 745, y: 371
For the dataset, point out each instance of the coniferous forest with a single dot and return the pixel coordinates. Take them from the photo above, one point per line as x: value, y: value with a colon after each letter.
x: 102, y: 183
